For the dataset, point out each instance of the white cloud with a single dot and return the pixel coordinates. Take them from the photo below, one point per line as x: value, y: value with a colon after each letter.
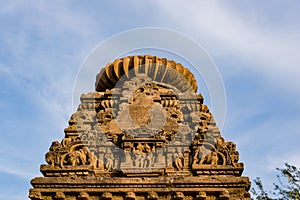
x: 17, y: 172
x: 40, y: 55
x: 273, y: 51
x: 43, y: 53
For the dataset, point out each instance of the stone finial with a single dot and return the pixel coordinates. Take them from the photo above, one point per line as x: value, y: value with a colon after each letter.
x: 158, y: 69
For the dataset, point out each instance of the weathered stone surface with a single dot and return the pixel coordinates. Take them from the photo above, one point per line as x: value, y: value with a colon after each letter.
x: 143, y: 134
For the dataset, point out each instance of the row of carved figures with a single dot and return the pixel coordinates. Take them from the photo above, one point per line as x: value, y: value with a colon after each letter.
x: 72, y: 152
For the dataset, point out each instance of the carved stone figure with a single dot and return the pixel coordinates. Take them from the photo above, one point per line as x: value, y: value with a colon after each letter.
x: 109, y: 157
x: 178, y: 161
x: 92, y: 160
x: 214, y: 158
x: 140, y: 156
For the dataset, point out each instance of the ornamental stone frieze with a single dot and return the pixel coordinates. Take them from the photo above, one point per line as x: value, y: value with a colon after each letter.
x: 144, y: 133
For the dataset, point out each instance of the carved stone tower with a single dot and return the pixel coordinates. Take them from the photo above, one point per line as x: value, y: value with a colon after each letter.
x: 143, y: 134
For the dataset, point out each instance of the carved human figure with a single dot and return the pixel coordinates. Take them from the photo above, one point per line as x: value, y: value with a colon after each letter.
x: 159, y: 155
x: 214, y: 158
x: 84, y: 152
x: 127, y: 153
x: 152, y: 156
x: 92, y: 160
x: 178, y: 160
x: 109, y: 157
x: 139, y: 155
x: 100, y: 161
x: 149, y: 159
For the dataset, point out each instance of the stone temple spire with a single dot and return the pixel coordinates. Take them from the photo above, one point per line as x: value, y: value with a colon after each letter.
x: 144, y: 133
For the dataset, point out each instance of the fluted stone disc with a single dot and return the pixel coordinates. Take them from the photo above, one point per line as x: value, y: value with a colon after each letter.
x: 158, y: 69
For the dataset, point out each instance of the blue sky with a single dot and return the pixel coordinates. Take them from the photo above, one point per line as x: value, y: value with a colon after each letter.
x: 254, y: 44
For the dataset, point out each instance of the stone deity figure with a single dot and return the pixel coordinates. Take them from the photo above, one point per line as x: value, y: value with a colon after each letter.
x: 140, y: 156
x: 149, y: 160
x: 109, y: 157
x: 178, y: 161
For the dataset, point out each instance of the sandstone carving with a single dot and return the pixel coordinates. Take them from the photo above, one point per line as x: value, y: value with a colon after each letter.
x: 143, y: 134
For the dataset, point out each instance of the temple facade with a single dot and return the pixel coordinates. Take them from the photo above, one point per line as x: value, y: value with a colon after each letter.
x: 143, y: 134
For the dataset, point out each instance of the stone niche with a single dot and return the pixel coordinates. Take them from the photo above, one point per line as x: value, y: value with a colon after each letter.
x: 144, y: 133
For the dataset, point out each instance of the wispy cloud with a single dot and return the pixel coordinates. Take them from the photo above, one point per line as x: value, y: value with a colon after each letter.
x: 40, y: 54
x: 271, y: 50
x: 17, y: 172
